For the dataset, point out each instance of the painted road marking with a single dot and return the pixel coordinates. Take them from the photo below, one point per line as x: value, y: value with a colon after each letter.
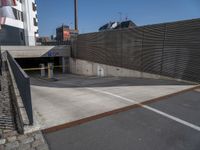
x: 183, y: 122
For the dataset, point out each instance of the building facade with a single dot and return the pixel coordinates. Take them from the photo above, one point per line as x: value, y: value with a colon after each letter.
x: 64, y: 33
x: 19, y: 23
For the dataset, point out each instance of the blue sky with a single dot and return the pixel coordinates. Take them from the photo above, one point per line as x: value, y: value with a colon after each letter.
x: 94, y: 13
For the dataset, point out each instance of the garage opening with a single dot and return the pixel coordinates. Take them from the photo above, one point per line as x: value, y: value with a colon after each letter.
x: 33, y: 65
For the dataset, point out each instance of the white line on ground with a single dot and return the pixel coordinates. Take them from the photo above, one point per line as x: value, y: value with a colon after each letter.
x: 195, y: 127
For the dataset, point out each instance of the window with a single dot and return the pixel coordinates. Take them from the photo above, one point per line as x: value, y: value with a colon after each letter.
x: 35, y: 22
x: 34, y: 6
x: 22, y: 36
x: 18, y: 14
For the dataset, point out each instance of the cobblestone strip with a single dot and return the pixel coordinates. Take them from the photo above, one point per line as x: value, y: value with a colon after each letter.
x: 6, y: 111
x: 9, y: 138
x: 31, y: 141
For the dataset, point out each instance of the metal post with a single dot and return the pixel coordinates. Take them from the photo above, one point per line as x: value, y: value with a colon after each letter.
x: 42, y: 70
x: 50, y: 70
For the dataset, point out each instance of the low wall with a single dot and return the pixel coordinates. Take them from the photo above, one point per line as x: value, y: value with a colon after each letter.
x: 88, y: 68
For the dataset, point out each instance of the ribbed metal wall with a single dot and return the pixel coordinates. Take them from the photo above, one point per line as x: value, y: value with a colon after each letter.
x: 171, y: 49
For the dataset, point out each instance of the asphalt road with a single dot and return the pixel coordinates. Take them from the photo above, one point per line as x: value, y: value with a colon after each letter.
x: 169, y: 124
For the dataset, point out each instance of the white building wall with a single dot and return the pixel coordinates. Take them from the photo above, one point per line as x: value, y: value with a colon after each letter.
x: 26, y: 7
x: 29, y: 28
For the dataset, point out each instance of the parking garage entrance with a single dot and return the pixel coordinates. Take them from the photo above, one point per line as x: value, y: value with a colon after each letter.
x: 33, y: 65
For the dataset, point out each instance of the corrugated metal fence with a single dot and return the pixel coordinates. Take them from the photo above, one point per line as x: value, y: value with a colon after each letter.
x: 169, y: 49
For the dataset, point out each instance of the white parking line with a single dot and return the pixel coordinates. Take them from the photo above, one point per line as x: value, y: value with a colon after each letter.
x: 195, y: 127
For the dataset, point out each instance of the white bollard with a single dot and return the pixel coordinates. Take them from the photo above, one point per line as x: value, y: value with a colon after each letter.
x: 50, y: 70
x: 42, y: 70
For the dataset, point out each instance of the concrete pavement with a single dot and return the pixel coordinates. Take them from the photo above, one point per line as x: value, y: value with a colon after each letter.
x: 73, y: 97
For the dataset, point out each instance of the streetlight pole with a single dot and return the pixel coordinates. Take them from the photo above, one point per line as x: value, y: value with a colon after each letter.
x: 76, y: 15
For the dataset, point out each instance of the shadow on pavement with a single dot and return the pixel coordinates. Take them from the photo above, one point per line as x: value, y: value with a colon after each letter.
x: 76, y: 81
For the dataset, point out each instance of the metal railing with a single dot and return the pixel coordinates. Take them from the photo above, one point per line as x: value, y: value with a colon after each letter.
x: 0, y: 68
x: 0, y: 63
x: 23, y: 84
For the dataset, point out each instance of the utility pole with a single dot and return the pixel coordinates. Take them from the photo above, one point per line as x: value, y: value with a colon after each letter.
x: 76, y: 15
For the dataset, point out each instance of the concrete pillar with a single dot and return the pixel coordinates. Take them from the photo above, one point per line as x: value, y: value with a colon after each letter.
x: 63, y: 64
x: 42, y: 70
x: 50, y: 70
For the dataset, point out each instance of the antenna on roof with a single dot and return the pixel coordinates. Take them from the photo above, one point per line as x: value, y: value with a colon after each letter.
x: 126, y: 19
x: 120, y: 16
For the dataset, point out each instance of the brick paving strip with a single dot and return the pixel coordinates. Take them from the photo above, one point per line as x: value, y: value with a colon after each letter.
x: 10, y: 139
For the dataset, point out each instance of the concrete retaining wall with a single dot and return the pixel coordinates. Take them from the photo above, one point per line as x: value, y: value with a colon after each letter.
x: 88, y: 68
x: 83, y: 67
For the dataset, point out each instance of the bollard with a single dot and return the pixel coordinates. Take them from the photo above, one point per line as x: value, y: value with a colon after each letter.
x: 50, y: 70
x: 42, y: 70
